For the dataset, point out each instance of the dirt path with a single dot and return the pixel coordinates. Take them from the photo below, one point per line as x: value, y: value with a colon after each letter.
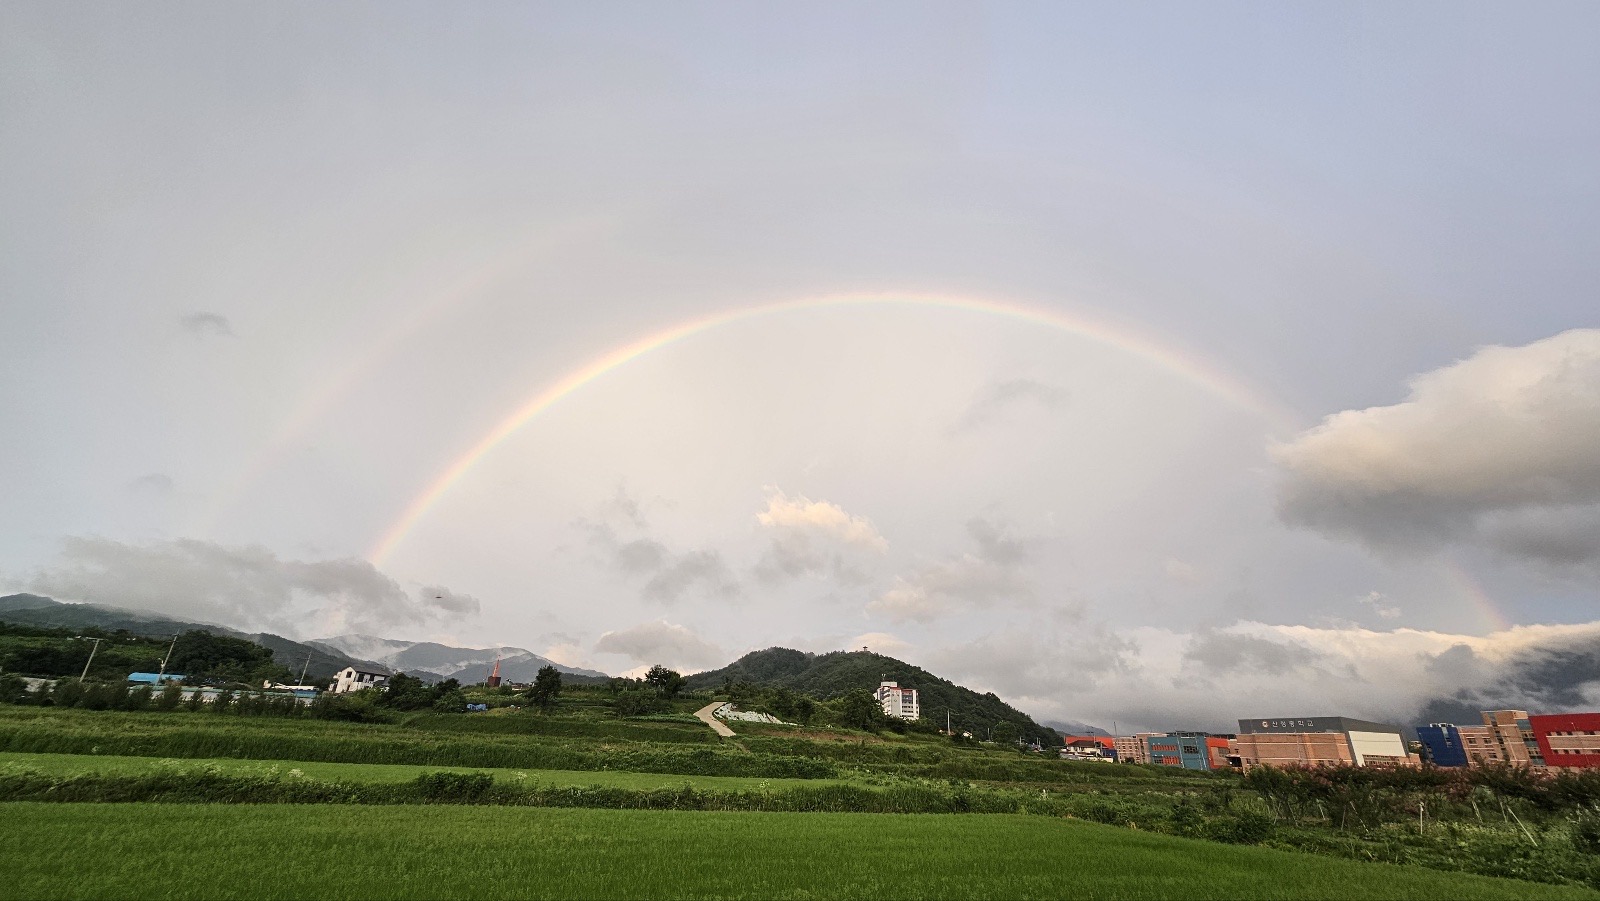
x: 717, y: 726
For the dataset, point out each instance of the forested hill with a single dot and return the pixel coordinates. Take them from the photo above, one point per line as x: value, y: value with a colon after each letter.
x: 829, y: 675
x: 34, y: 610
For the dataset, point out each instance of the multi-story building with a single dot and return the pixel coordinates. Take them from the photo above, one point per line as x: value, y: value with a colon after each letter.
x: 1450, y: 745
x: 898, y: 702
x: 1190, y: 750
x: 1480, y: 744
x: 1442, y: 745
x: 1567, y: 740
x: 1513, y: 736
x: 1133, y: 748
x: 1319, y: 741
x: 352, y: 679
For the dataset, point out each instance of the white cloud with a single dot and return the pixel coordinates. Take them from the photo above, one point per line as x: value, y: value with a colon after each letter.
x: 669, y: 644
x: 668, y: 575
x: 1379, y: 605
x: 814, y: 538
x: 880, y: 643
x: 1167, y: 679
x: 243, y: 587
x: 986, y: 578
x: 1497, y: 450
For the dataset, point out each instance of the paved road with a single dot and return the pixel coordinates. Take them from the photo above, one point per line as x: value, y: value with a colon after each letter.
x: 717, y: 726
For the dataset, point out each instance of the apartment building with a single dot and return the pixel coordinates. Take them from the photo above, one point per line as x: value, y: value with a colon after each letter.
x: 898, y: 702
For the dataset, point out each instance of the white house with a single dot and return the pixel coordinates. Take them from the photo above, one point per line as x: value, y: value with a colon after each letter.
x: 898, y: 702
x: 352, y: 679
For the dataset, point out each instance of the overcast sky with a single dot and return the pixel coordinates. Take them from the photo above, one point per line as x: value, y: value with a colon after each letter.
x: 1296, y: 410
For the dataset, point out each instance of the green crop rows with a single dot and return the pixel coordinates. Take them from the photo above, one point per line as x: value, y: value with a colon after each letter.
x: 291, y: 851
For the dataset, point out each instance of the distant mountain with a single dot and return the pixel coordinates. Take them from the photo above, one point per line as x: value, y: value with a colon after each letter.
x: 829, y: 675
x: 33, y: 610
x: 469, y: 665
x: 1072, y: 727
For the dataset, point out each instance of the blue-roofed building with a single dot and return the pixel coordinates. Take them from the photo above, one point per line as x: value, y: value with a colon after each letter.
x: 1442, y: 744
x: 155, y: 678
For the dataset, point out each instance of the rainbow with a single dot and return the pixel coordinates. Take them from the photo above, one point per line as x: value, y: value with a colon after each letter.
x: 1158, y: 352
x: 1468, y: 587
x: 531, y: 244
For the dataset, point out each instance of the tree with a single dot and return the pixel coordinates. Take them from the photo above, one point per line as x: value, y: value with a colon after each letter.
x: 667, y: 682
x: 407, y: 693
x: 858, y: 709
x: 1005, y: 733
x: 13, y: 690
x: 546, y: 686
x: 170, y: 697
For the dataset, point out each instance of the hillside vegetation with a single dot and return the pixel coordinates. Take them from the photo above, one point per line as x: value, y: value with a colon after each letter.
x: 834, y: 674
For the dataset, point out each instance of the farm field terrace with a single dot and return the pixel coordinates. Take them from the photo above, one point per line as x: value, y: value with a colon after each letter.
x: 295, y: 851
x: 79, y: 764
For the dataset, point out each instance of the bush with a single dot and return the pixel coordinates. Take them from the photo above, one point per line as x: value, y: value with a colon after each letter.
x: 171, y: 696
x: 138, y: 699
x: 633, y: 702
x: 1186, y: 819
x: 13, y: 689
x: 457, y: 788
x: 1586, y: 833
x: 1247, y: 828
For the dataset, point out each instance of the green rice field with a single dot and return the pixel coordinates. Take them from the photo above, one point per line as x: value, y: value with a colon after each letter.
x: 79, y: 764
x: 293, y: 851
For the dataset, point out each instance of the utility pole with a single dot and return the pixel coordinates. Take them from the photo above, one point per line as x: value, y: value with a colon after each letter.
x: 166, y: 658
x: 304, y: 669
x: 91, y: 655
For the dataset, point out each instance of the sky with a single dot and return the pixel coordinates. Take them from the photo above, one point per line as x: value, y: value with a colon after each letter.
x: 1155, y: 365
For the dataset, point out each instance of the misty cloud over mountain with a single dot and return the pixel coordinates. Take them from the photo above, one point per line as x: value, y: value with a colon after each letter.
x: 243, y: 587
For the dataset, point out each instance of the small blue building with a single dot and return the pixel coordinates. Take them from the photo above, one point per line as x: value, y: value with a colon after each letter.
x: 1442, y: 744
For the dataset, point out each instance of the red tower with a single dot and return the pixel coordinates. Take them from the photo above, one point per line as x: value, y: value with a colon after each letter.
x: 494, y: 676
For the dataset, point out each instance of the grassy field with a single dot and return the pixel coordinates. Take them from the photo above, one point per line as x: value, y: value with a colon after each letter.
x: 204, y: 735
x: 210, y: 851
x: 76, y: 764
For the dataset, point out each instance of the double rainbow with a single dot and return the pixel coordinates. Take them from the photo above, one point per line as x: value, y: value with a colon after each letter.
x: 1162, y: 354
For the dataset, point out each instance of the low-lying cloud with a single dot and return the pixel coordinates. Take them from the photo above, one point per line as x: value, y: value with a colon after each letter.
x: 668, y: 575
x: 815, y: 538
x: 1497, y: 450
x: 668, y: 644
x: 987, y: 577
x: 1160, y: 679
x: 243, y: 587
